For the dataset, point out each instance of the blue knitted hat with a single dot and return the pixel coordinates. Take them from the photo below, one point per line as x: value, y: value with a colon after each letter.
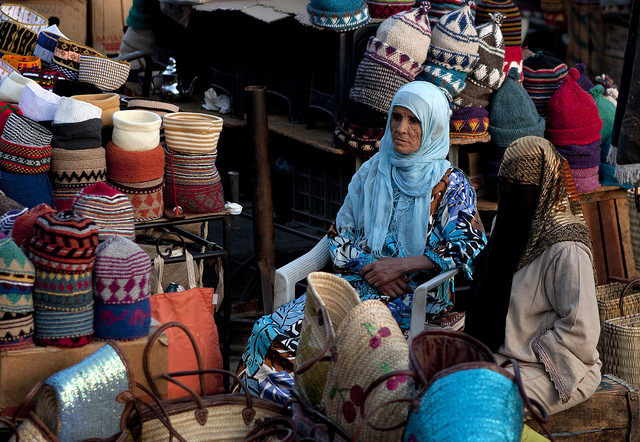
x: 339, y: 15
x: 28, y: 190
x: 512, y: 114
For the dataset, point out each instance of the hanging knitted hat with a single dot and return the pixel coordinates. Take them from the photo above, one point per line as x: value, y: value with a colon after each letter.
x: 487, y: 75
x: 63, y: 250
x: 338, y: 15
x: 393, y: 58
x: 38, y: 103
x: 111, y: 210
x: 122, y: 288
x: 572, y: 114
x: 470, y: 123
x: 543, y: 75
x: 453, y: 51
x: 387, y: 8
x: 25, y: 146
x: 108, y: 102
x: 512, y: 113
x: 23, y: 225
x: 444, y: 7
x: 17, y: 276
x: 606, y: 110
x: 28, y: 190
x: 8, y: 219
x: 583, y: 81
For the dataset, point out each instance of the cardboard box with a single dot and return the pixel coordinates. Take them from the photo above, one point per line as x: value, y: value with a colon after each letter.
x: 70, y: 14
x: 20, y: 370
x: 108, y: 19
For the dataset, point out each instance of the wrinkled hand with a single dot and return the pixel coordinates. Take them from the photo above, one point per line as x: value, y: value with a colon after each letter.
x: 384, y: 271
x: 395, y: 288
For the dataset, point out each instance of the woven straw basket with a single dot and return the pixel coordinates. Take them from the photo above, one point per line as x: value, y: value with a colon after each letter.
x: 23, y: 16
x: 609, y: 298
x: 192, y: 133
x: 106, y: 73
x: 337, y: 298
x: 634, y: 225
x: 621, y: 346
x: 369, y: 344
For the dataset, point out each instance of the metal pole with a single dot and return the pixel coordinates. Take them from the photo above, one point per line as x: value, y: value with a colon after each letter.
x: 262, y: 201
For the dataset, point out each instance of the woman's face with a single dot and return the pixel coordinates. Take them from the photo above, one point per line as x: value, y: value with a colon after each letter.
x: 406, y: 130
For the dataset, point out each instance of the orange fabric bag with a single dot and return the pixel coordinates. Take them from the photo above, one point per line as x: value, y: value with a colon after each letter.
x: 194, y: 308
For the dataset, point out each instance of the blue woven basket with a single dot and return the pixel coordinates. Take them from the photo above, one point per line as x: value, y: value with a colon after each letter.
x: 472, y: 401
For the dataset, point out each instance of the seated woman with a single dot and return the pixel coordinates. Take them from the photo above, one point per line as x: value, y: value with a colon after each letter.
x: 408, y: 215
x: 533, y: 294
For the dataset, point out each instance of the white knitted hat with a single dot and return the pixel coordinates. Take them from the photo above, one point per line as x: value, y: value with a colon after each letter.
x: 38, y: 103
x: 12, y: 86
x: 74, y: 111
x: 136, y: 130
x: 408, y: 31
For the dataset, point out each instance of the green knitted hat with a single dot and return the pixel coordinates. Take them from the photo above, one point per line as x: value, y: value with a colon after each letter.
x: 606, y: 110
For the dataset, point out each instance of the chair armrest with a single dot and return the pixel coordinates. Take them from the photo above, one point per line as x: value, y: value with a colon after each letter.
x: 287, y: 276
x: 419, y: 305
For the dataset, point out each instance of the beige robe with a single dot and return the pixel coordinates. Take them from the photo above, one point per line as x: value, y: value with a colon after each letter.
x: 552, y: 327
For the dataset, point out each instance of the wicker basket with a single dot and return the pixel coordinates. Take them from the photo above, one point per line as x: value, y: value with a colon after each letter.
x: 608, y: 297
x: 634, y: 224
x: 622, y: 347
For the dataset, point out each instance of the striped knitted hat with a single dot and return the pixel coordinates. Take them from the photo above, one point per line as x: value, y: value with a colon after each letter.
x: 17, y: 276
x: 572, y: 114
x: 388, y: 8
x: 8, y: 219
x: 543, y: 75
x: 25, y: 146
x: 122, y: 288
x: 453, y: 51
x: 440, y: 8
x: 487, y: 75
x: 340, y: 15
x: 512, y: 24
x: 111, y: 210
x: 358, y: 140
x: 16, y: 331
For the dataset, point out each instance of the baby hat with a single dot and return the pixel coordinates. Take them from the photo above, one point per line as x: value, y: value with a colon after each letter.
x: 487, y: 75
x: 111, y: 210
x: 387, y: 8
x: 572, y: 114
x: 17, y: 276
x: 338, y: 15
x: 543, y: 75
x: 512, y: 113
x: 63, y: 250
x: 393, y: 58
x: 606, y: 110
x: 443, y: 7
x: 25, y: 146
x: 122, y: 289
x: 453, y: 51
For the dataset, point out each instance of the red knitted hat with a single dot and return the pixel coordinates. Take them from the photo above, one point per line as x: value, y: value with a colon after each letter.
x: 572, y: 114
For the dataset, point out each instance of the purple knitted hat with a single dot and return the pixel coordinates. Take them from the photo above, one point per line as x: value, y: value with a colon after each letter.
x: 586, y: 179
x: 583, y: 81
x: 470, y: 123
x: 122, y: 288
x: 581, y: 156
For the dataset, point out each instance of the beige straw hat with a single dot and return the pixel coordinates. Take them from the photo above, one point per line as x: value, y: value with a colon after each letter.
x: 192, y: 133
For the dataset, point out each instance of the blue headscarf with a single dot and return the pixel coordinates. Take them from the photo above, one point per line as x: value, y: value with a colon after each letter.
x: 368, y: 207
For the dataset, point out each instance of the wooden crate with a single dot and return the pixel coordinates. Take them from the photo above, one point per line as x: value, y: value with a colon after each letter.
x: 611, y: 414
x: 607, y: 216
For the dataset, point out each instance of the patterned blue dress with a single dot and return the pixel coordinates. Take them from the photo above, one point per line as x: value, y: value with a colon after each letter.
x: 455, y: 236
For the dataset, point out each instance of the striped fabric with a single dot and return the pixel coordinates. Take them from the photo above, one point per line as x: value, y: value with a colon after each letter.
x: 191, y: 132
x: 111, y: 210
x: 24, y: 159
x: 194, y: 170
x: 512, y: 24
x: 106, y: 73
x: 62, y: 291
x: 63, y: 197
x: 8, y: 219
x: 59, y: 324
x: 543, y: 75
x: 22, y: 130
x: 16, y: 331
x: 24, y: 16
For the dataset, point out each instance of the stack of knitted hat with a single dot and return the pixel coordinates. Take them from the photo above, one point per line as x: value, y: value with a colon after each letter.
x: 17, y: 276
x: 110, y: 104
x: 135, y: 162
x: 512, y: 115
x: 111, y: 210
x: 443, y: 7
x: 63, y: 250
x: 573, y: 126
x: 453, y: 51
x: 193, y: 182
x: 25, y: 160
x: 543, y: 75
x: 122, y: 289
x: 511, y: 30
x: 393, y: 58
x: 338, y: 16
x: 470, y: 116
x: 78, y: 156
x: 607, y: 112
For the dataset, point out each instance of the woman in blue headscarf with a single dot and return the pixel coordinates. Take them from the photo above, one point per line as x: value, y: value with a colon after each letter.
x: 408, y: 215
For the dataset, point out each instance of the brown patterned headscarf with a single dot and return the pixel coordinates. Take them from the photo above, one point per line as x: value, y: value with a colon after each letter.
x: 558, y: 215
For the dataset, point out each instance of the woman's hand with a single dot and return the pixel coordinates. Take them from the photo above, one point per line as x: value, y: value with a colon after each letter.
x: 395, y: 288
x: 391, y: 271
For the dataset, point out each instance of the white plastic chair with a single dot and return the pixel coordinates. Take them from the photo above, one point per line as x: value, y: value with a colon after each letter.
x: 287, y: 276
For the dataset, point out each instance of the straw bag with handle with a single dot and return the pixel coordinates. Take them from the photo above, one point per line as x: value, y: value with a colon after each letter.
x: 614, y: 300
x: 199, y: 416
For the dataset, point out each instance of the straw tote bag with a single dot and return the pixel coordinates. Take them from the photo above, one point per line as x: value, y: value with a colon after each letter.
x: 199, y: 416
x: 614, y: 300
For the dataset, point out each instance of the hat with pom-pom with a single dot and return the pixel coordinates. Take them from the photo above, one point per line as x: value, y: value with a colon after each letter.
x: 512, y: 113
x: 606, y: 110
x: 543, y: 75
x: 338, y: 15
x: 453, y: 51
x: 443, y: 7
x: 487, y: 75
x: 583, y: 81
x: 572, y: 114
